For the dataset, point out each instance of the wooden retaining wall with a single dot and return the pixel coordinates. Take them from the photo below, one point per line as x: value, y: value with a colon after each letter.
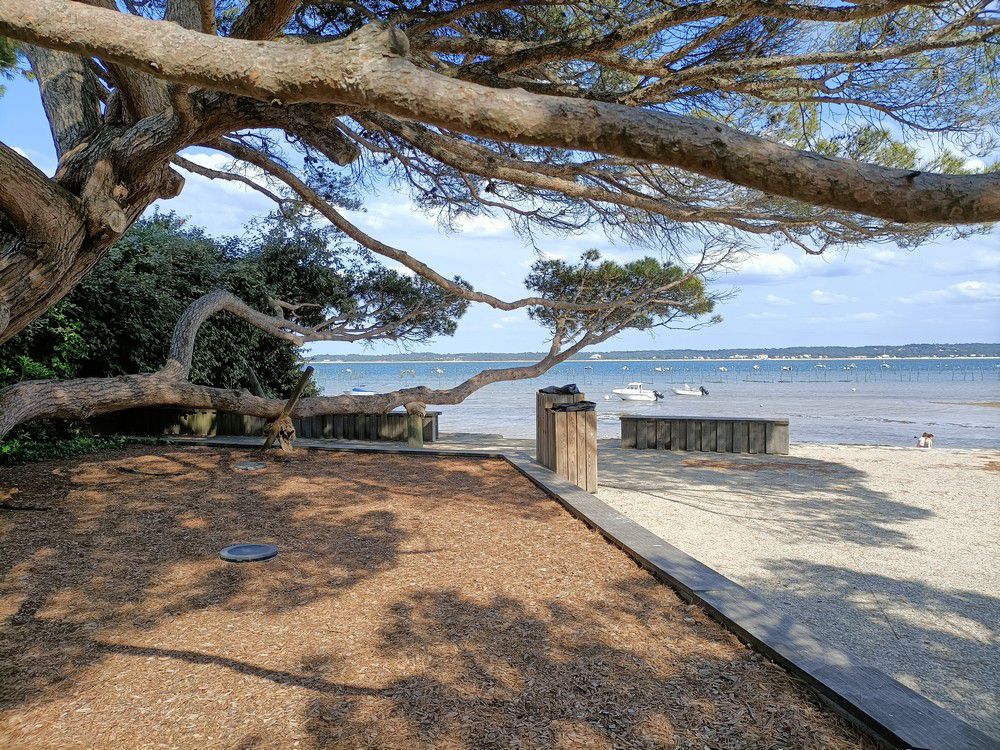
x: 206, y: 422
x: 714, y: 434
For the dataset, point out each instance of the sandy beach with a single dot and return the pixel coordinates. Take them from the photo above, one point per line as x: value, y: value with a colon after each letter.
x: 891, y: 553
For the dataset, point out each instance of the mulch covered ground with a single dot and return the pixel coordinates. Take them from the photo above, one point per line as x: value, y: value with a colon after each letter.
x: 417, y: 602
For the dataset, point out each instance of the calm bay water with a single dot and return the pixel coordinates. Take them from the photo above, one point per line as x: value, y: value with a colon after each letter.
x: 844, y: 401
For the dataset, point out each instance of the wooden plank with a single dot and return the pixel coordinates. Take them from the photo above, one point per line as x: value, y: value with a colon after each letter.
x: 581, y: 448
x: 628, y: 433
x: 678, y: 435
x: 724, y: 437
x: 756, y: 442
x: 740, y: 437
x: 693, y: 429
x: 571, y: 446
x: 559, y: 432
x: 591, y: 485
x: 778, y: 442
x: 548, y: 426
x: 768, y: 437
x: 539, y: 429
x: 708, y: 435
x: 640, y: 434
x: 662, y: 435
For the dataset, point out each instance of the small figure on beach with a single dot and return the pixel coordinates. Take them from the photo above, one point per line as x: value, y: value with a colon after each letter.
x: 926, y: 440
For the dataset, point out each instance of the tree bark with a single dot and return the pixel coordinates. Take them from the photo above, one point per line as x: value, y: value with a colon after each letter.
x: 362, y: 70
x: 69, y: 96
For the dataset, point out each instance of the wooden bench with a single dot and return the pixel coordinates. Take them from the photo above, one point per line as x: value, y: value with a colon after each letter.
x: 714, y: 434
x: 203, y: 422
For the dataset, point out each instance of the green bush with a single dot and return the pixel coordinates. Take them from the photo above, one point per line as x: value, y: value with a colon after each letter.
x: 45, y: 440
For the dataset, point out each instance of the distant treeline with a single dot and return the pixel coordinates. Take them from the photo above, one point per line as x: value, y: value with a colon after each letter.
x: 833, y: 352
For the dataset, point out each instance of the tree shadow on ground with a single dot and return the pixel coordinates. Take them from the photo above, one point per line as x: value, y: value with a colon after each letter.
x: 805, y: 498
x: 390, y: 640
x: 131, y: 539
x: 945, y: 644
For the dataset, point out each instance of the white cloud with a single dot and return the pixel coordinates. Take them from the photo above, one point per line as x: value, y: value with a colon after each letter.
x: 497, y: 325
x: 821, y: 297
x: 483, y: 226
x: 770, y: 266
x: 964, y: 291
x: 400, y: 269
x: 985, y: 291
x: 983, y: 260
x: 859, y: 316
x: 774, y: 299
x: 767, y: 316
x: 865, y: 316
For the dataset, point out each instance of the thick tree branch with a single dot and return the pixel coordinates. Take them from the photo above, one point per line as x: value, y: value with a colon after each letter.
x: 88, y: 397
x: 363, y: 71
x: 264, y: 19
x: 69, y: 96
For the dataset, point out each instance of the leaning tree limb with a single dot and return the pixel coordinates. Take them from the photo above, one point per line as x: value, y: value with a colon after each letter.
x: 363, y: 70
x: 84, y: 398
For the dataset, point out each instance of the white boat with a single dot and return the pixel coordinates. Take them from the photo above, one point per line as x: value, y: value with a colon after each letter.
x: 359, y: 390
x: 636, y: 392
x: 689, y: 390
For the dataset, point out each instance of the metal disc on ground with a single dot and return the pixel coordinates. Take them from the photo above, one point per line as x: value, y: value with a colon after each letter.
x: 249, y: 465
x: 248, y: 552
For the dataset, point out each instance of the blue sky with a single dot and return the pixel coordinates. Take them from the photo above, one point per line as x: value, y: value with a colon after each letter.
x: 946, y: 292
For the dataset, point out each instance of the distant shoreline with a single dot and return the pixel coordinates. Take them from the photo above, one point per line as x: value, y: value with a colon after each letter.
x: 603, y: 359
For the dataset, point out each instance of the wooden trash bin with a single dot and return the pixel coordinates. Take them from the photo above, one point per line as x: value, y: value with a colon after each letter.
x: 571, y: 445
x: 542, y: 440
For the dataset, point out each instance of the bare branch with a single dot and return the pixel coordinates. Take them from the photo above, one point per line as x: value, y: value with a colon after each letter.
x: 420, y: 268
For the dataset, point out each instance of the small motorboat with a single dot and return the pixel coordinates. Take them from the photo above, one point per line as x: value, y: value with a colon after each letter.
x: 689, y: 390
x: 359, y: 390
x: 636, y: 392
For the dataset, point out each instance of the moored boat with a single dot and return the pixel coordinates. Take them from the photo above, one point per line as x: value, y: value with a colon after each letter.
x: 636, y: 392
x: 689, y: 390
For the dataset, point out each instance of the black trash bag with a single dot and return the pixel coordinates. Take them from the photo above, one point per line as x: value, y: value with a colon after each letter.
x: 577, y: 406
x: 564, y: 390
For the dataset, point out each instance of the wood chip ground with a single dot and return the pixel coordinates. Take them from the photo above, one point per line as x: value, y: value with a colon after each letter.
x: 417, y: 602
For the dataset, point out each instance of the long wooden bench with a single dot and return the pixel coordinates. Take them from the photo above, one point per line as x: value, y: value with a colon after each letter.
x: 203, y: 422
x: 714, y: 434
